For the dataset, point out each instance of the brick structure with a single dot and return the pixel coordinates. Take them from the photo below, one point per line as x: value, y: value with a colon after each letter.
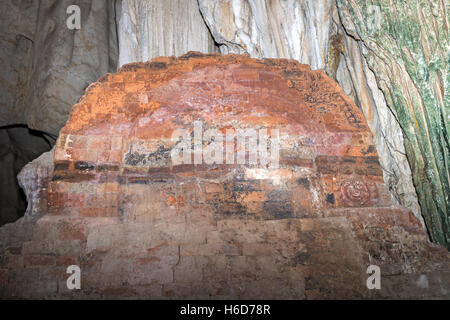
x: 139, y: 225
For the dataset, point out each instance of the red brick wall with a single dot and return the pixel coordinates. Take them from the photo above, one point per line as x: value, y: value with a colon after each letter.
x: 140, y: 226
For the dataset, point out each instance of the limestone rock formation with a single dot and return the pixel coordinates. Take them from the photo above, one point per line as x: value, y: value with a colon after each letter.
x: 18, y: 146
x: 139, y: 224
x: 148, y: 29
x: 34, y: 179
x: 45, y: 66
x: 66, y: 61
x: 18, y: 23
x: 359, y: 82
x: 271, y: 29
x: 407, y: 47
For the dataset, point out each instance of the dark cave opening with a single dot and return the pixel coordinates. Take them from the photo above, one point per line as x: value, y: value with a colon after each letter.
x: 19, y: 145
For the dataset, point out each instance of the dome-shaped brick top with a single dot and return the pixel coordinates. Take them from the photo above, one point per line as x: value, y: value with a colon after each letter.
x: 124, y: 128
x: 149, y: 100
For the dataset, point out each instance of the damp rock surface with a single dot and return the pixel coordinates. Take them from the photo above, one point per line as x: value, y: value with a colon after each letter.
x: 46, y: 66
x: 407, y: 47
x: 148, y: 29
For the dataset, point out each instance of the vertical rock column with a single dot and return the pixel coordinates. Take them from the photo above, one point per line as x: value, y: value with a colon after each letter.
x: 154, y: 28
x: 17, y: 25
x: 271, y: 29
x: 65, y: 62
x: 348, y: 66
x: 407, y: 46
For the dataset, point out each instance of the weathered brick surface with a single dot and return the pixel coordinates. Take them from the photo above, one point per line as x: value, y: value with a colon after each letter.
x: 141, y: 227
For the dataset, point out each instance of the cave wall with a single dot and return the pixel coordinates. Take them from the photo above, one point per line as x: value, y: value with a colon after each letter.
x: 65, y: 62
x: 408, y: 53
x: 46, y: 66
x: 348, y: 66
x: 18, y: 24
x: 45, y: 69
x: 271, y: 29
x: 149, y: 29
x: 18, y: 146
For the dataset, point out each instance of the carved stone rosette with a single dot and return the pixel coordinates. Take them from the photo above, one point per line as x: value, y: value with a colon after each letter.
x: 357, y: 193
